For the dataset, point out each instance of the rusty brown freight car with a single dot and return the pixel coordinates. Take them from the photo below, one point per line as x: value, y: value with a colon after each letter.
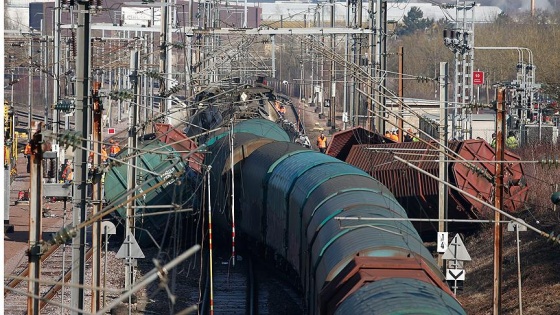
x: 473, y: 171
x: 181, y: 143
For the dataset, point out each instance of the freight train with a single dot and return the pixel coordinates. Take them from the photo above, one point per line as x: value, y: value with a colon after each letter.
x: 314, y: 214
x: 318, y: 215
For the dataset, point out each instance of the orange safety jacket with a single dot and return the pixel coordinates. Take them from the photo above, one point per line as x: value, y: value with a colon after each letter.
x: 322, y: 142
x: 114, y: 149
x: 27, y: 149
x: 104, y: 155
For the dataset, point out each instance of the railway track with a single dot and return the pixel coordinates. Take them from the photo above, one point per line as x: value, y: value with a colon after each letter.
x: 274, y: 295
x: 22, y: 117
x: 233, y: 287
x: 55, y: 266
x: 252, y: 287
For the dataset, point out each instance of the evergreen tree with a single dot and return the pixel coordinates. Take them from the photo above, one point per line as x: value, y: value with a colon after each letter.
x: 414, y: 21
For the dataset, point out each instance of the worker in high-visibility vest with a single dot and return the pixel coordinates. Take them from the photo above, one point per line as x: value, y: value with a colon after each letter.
x: 104, y: 154
x: 322, y: 143
x: 27, y: 153
x: 114, y: 149
x: 70, y: 176
x: 66, y: 171
x: 415, y: 137
x: 511, y: 141
x: 388, y: 134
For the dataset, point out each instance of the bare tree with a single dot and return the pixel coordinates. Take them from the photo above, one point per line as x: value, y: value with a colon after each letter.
x: 425, y: 49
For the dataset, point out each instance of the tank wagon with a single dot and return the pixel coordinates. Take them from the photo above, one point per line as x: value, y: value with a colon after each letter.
x: 293, y: 201
x: 157, y: 162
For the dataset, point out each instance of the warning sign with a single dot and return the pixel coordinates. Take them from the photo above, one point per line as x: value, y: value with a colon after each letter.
x: 130, y: 248
x: 478, y: 77
x: 457, y: 250
x: 455, y: 274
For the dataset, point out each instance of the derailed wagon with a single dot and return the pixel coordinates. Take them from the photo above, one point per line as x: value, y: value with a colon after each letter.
x: 471, y: 168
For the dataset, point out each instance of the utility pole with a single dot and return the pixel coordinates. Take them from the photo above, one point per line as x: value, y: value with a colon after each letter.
x: 460, y: 40
x: 443, y: 104
x: 35, y: 218
x: 356, y: 56
x: 96, y: 197
x: 30, y: 88
x: 499, y: 200
x: 56, y: 72
x: 400, y: 123
x: 44, y: 75
x: 9, y: 139
x: 332, y: 109
x: 351, y: 43
x: 165, y: 41
x: 83, y: 65
x: 131, y: 171
x: 380, y: 62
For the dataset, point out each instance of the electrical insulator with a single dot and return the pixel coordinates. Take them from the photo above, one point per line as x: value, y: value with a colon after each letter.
x: 74, y: 44
x: 99, y: 4
x: 452, y: 37
x: 64, y: 235
x: 64, y: 105
x: 72, y: 2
